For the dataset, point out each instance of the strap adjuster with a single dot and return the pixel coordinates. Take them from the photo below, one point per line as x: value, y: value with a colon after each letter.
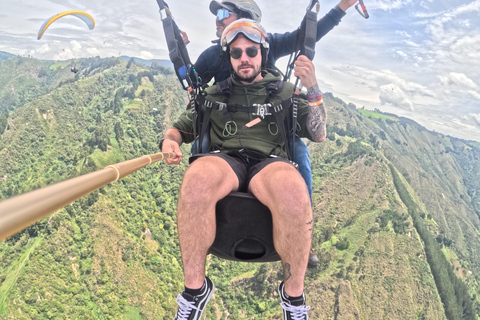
x: 208, y: 104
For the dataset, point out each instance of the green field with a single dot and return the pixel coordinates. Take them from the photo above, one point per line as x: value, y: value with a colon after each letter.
x: 376, y: 115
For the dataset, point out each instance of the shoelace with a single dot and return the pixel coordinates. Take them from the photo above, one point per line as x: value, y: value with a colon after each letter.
x: 298, y: 313
x: 185, y: 307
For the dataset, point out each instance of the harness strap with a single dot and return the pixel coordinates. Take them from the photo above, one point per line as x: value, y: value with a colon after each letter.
x: 225, y: 86
x: 310, y: 38
x: 233, y: 107
x: 176, y: 47
x: 206, y: 120
x: 281, y: 126
x: 294, y: 122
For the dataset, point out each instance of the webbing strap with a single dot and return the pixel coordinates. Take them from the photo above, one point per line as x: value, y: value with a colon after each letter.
x: 233, y: 107
x: 294, y: 122
x: 310, y: 38
x: 206, y: 120
x: 176, y: 47
x: 283, y: 131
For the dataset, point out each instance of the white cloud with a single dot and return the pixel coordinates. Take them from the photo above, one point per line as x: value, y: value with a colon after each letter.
x: 475, y: 117
x: 403, y: 33
x: 412, y: 88
x: 474, y: 94
x: 44, y: 48
x: 401, y: 54
x: 468, y: 46
x: 73, y: 50
x: 146, y: 55
x: 393, y: 95
x: 458, y: 79
x: 388, y: 5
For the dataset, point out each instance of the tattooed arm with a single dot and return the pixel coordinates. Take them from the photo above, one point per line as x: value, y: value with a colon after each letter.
x: 317, y: 114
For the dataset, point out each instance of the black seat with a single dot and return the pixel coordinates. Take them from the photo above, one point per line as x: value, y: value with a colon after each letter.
x: 244, y: 230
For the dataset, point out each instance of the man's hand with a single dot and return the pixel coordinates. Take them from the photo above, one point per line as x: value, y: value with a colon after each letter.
x: 172, y: 146
x: 305, y: 70
x: 345, y: 4
x: 171, y: 143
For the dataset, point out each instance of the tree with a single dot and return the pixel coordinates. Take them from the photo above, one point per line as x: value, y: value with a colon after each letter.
x: 118, y: 131
x: 129, y: 64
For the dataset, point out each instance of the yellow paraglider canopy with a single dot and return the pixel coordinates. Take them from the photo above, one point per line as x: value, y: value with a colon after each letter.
x: 88, y: 19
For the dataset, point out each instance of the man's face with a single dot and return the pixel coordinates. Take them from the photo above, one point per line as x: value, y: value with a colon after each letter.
x: 246, y: 67
x: 221, y: 24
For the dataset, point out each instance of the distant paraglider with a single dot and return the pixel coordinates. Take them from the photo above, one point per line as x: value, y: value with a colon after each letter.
x: 88, y: 19
x: 73, y: 67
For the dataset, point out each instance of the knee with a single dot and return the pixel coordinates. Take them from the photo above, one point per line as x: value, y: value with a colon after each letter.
x: 291, y: 191
x: 199, y: 177
x: 206, y: 177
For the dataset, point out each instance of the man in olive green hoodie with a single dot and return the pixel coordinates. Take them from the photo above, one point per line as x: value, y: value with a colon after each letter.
x: 248, y: 153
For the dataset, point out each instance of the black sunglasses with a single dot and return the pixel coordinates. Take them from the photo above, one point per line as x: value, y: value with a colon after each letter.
x: 236, y: 53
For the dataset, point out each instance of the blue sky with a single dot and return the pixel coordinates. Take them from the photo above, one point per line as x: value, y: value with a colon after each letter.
x: 419, y: 59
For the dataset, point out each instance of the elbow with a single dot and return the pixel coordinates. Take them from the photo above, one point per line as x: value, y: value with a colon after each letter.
x: 319, y: 138
x: 321, y: 133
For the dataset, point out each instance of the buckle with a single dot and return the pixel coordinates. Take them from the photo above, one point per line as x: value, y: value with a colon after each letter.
x: 221, y: 105
x: 262, y: 110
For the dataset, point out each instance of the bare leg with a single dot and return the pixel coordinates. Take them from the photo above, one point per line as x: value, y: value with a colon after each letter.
x: 282, y: 189
x: 207, y: 180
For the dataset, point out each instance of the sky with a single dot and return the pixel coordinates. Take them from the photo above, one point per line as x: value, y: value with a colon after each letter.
x: 418, y: 59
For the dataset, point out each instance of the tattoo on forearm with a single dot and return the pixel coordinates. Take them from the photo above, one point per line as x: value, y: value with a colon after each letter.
x: 286, y: 271
x: 316, y: 122
x: 313, y: 89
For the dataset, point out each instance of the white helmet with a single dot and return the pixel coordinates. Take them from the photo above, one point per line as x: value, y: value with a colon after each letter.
x: 244, y: 8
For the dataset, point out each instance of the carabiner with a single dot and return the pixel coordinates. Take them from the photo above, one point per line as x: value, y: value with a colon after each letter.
x: 362, y: 12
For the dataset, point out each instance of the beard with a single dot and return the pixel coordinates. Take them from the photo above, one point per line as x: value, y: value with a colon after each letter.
x: 247, y: 75
x: 220, y: 27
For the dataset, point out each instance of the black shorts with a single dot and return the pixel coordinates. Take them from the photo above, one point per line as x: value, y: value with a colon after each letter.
x: 244, y: 166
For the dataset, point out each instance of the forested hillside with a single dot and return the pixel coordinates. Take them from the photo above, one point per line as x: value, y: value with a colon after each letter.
x: 396, y: 208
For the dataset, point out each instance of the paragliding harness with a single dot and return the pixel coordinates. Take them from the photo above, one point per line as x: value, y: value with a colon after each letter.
x: 272, y: 112
x: 244, y: 229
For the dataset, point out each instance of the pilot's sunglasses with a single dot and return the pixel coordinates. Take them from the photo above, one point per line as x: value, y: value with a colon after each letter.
x: 236, y: 53
x: 223, y: 13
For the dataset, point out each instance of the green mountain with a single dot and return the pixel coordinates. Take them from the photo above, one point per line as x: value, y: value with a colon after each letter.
x: 5, y: 55
x: 396, y: 208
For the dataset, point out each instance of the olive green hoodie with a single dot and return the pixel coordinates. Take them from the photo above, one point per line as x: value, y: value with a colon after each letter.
x: 264, y: 137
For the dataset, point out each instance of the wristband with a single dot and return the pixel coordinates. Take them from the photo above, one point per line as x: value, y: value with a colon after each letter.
x: 316, y: 103
x: 314, y: 93
x: 315, y: 97
x: 160, y: 144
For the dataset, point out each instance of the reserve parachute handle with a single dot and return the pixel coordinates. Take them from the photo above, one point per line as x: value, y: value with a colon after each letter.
x: 19, y: 212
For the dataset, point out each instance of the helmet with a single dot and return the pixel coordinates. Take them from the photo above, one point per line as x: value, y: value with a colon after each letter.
x: 248, y: 28
x: 243, y: 8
